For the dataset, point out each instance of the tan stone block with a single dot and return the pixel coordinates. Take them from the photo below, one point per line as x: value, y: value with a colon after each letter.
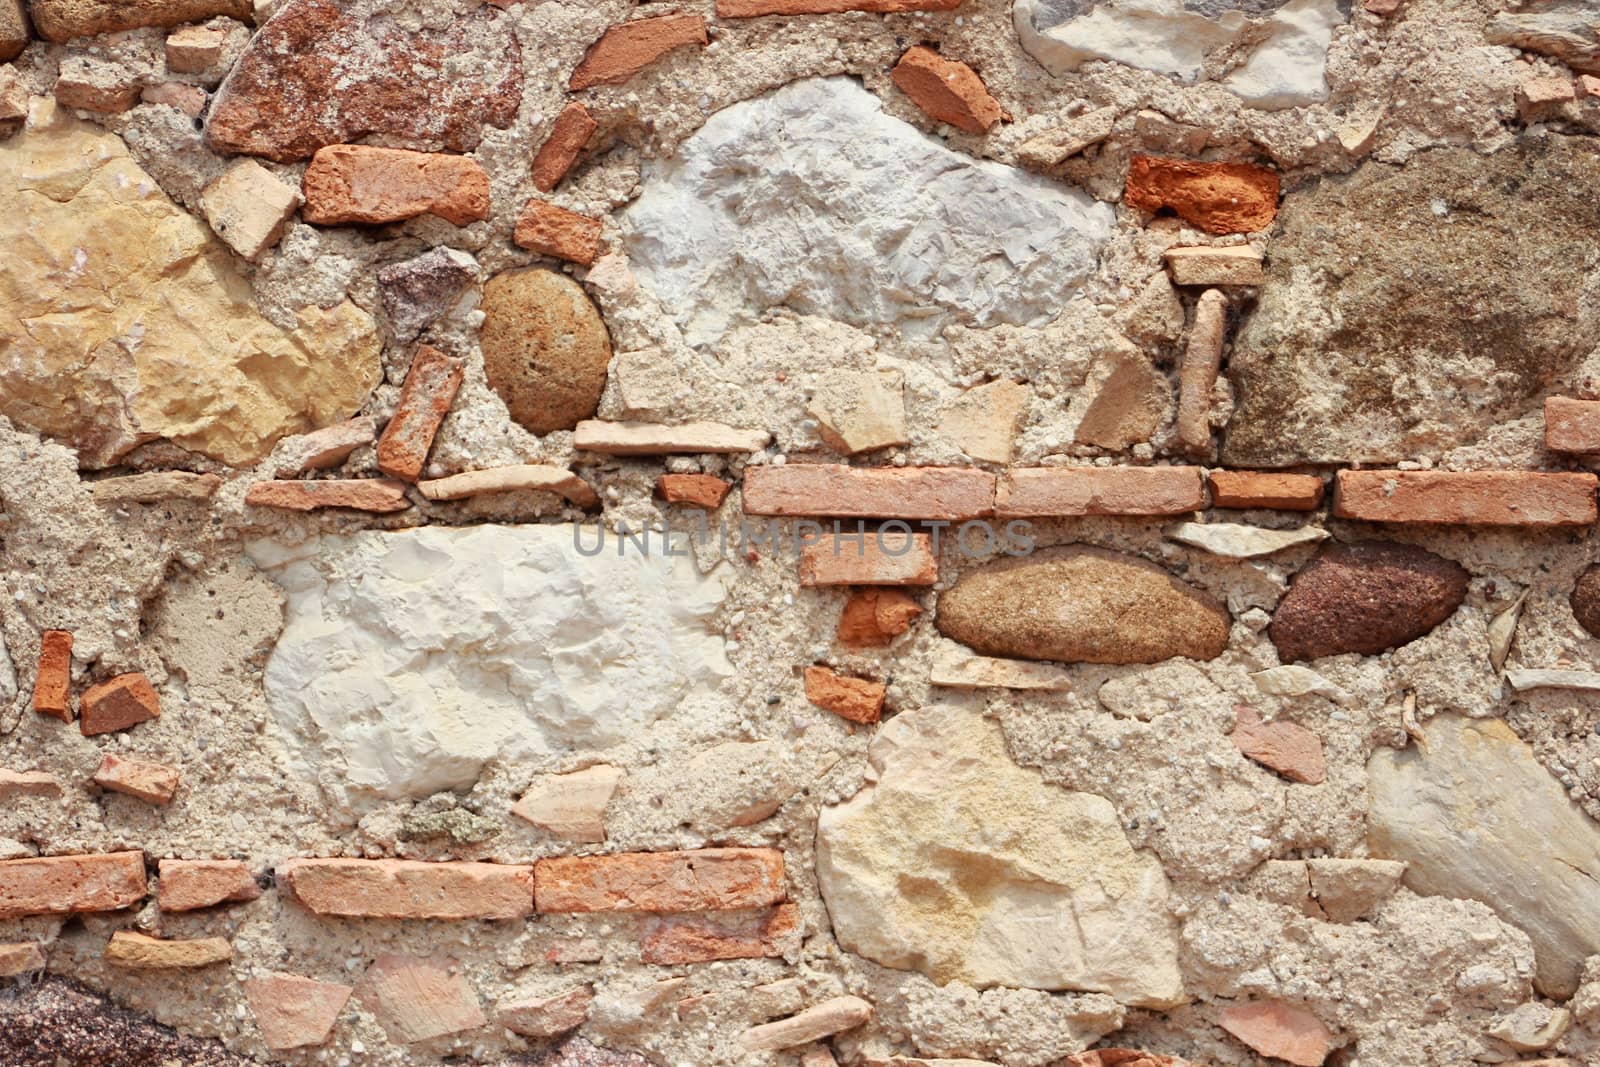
x: 358, y: 494
x: 124, y: 701
x: 629, y: 47
x: 130, y: 949
x: 855, y: 699
x: 92, y: 84
x: 869, y: 557
x: 983, y: 421
x: 359, y: 184
x: 52, y: 685
x: 64, y: 885
x: 1052, y: 491
x: 153, y: 783
x: 194, y: 49
x: 957, y: 669
x: 815, y: 1023
x: 653, y: 439
x: 568, y: 134
x: 721, y: 936
x: 294, y: 1012
x: 571, y: 806
x: 1265, y: 489
x: 186, y: 885
x: 1572, y: 425
x: 551, y: 230
x: 800, y: 489
x: 1126, y: 400
x: 695, y: 880
x: 948, y: 90
x: 248, y: 207
x: 1204, y: 265
x: 545, y: 1016
x: 420, y: 999
x: 154, y: 487
x: 20, y: 958
x: 410, y: 889
x: 860, y: 411
x: 1468, y: 498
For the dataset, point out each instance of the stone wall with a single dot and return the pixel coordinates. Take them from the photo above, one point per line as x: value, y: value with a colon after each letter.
x: 799, y: 533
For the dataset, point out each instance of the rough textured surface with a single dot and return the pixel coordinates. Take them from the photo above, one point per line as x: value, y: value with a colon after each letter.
x: 948, y: 90
x: 401, y: 889
x: 1585, y: 600
x: 60, y: 20
x: 545, y: 349
x: 358, y: 184
x: 57, y: 1021
x: 627, y: 48
x: 1215, y: 197
x: 294, y: 1012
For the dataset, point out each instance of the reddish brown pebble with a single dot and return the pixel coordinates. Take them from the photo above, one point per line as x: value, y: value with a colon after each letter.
x: 568, y: 134
x: 849, y: 698
x: 552, y: 230
x: 124, y: 701
x: 869, y: 557
x: 748, y: 9
x: 358, y: 494
x: 410, y: 889
x: 707, y: 879
x: 693, y: 490
x: 294, y: 1012
x: 872, y: 618
x: 1049, y: 491
x: 1291, y: 750
x: 425, y: 400
x: 703, y: 938
x: 186, y: 885
x: 869, y: 492
x: 1468, y: 498
x: 1280, y: 1030
x: 349, y: 183
x: 1572, y: 425
x: 63, y: 885
x: 54, y: 680
x: 626, y: 49
x: 1265, y: 489
x: 947, y: 90
x: 153, y: 783
x: 1216, y: 197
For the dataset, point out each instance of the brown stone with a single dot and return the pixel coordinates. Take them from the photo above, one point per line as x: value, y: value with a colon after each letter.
x: 410, y: 889
x: 568, y: 134
x: 153, y: 783
x: 872, y: 618
x: 124, y: 701
x: 727, y: 936
x: 28, y: 784
x: 1365, y: 598
x: 1280, y: 1030
x: 949, y: 91
x: 62, y: 20
x: 855, y: 699
x: 350, y: 183
x: 1048, y: 491
x: 552, y: 230
x: 194, y: 49
x: 799, y: 489
x: 1122, y: 1057
x: 420, y: 999
x: 1129, y: 399
x: 871, y: 557
x: 748, y: 9
x: 693, y: 490
x: 358, y: 494
x: 1473, y: 498
x: 20, y: 958
x: 155, y: 487
x: 1205, y: 265
x: 1586, y: 600
x: 186, y: 885
x: 696, y: 880
x: 425, y: 400
x: 13, y: 90
x: 545, y: 349
x: 14, y: 36
x: 1215, y: 197
x: 626, y: 49
x: 53, y: 684
x: 1572, y: 425
x: 1291, y: 750
x: 64, y: 885
x: 1265, y: 489
x: 294, y: 1012
x: 131, y: 949
x: 545, y: 1016
x: 323, y: 73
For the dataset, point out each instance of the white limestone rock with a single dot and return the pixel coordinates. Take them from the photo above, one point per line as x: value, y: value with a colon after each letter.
x: 827, y: 205
x: 412, y: 659
x: 1238, y: 541
x: 958, y: 863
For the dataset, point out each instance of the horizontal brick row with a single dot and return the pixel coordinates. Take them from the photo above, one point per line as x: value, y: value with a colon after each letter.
x: 1475, y: 498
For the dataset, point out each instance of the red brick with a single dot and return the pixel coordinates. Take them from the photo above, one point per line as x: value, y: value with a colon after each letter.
x: 63, y: 885
x: 855, y: 699
x: 357, y: 494
x: 1265, y: 489
x: 747, y: 9
x: 425, y: 400
x: 693, y: 490
x: 1280, y: 1030
x: 1216, y: 197
x: 1572, y: 425
x: 1048, y: 491
x: 187, y: 885
x: 872, y: 618
x: 410, y: 889
x: 1470, y: 498
x: 1285, y: 747
x: 53, y: 684
x: 348, y: 183
x: 294, y: 1012
x: 869, y: 492
x: 873, y: 557
x: 568, y: 134
x: 552, y: 230
x: 708, y: 879
x: 949, y: 91
x: 629, y: 47
x: 731, y: 936
x: 153, y: 783
x: 124, y: 701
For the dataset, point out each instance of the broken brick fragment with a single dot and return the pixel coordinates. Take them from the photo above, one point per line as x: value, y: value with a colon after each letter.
x: 187, y: 885
x: 706, y: 879
x: 629, y: 47
x: 124, y: 701
x: 1278, y: 1029
x: 799, y: 489
x: 410, y: 889
x: 64, y: 885
x: 1468, y: 498
x: 360, y: 184
x: 552, y: 230
x: 153, y: 783
x: 131, y: 949
x: 1285, y: 747
x: 1265, y: 489
x: 417, y: 999
x: 874, y: 557
x: 849, y: 698
x: 728, y: 936
x: 425, y: 400
x: 53, y: 683
x: 568, y: 134
x: 294, y: 1012
x: 1216, y: 197
x: 693, y: 490
x: 872, y: 618
x: 948, y: 90
x: 357, y: 494
x: 28, y: 784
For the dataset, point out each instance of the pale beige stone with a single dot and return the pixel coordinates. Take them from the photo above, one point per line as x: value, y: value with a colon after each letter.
x: 1351, y: 889
x: 160, y: 336
x: 189, y: 99
x: 194, y: 49
x: 1293, y: 680
x: 1532, y: 1027
x: 324, y: 448
x: 1526, y: 678
x: 248, y: 207
x: 526, y: 476
x: 860, y: 411
x: 20, y: 958
x: 545, y: 1016
x: 1205, y: 265
x: 28, y: 784
x: 571, y: 806
x: 955, y: 668
x: 1202, y: 359
x: 130, y: 949
x: 652, y: 439
x: 1502, y: 629
x: 1054, y: 147
x: 815, y: 1023
x: 419, y: 999
x: 983, y: 421
x: 1237, y: 541
x: 154, y: 487
x: 13, y: 98
x: 1123, y: 403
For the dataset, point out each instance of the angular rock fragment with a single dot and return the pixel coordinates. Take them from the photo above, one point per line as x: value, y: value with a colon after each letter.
x: 568, y: 134
x: 1292, y: 680
x: 855, y: 699
x: 545, y: 1016
x: 629, y: 47
x: 654, y: 439
x: 879, y: 557
x: 425, y: 399
x: 13, y: 91
x: 545, y: 349
x: 90, y: 83
x: 130, y: 949
x: 327, y: 447
x: 1127, y: 398
x: 61, y: 20
x: 1535, y: 678
x: 949, y: 91
x: 1280, y: 1030
x: 721, y: 936
x: 186, y: 98
x: 154, y: 487
x: 521, y: 478
x: 551, y: 230
x: 294, y: 1012
x: 153, y: 783
x: 349, y: 183
x: 1216, y: 197
x: 815, y: 1023
x: 873, y: 618
x: 248, y: 207
x: 1532, y: 1027
x: 410, y: 889
x: 746, y: 9
x: 705, y: 491
x: 14, y: 35
x: 52, y: 686
x: 20, y: 958
x: 955, y: 669
x: 418, y: 291
x: 116, y: 704
x: 1284, y: 747
x: 859, y: 411
x: 571, y: 806
x: 65, y: 885
x: 194, y: 49
x: 1205, y: 265
x: 28, y: 784
x: 186, y: 885
x: 1052, y: 148
x: 420, y: 999
x: 708, y: 879
x: 1237, y: 541
x: 983, y: 421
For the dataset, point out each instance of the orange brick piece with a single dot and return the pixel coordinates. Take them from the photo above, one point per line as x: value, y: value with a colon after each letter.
x: 693, y: 490
x: 420, y: 999
x: 1572, y: 425
x: 410, y: 889
x: 629, y: 47
x: 872, y: 618
x: 568, y: 134
x: 124, y: 701
x: 357, y: 494
x: 1469, y: 498
x: 552, y: 230
x: 1042, y: 491
x: 54, y: 681
x: 294, y: 1012
x: 869, y: 492
x: 187, y: 885
x: 734, y: 936
x: 1216, y: 197
x: 425, y: 400
x: 855, y: 699
x: 872, y: 557
x: 947, y: 90
x: 348, y: 183
x: 749, y: 9
x: 707, y: 879
x: 153, y: 783
x: 63, y: 885
x: 1265, y: 489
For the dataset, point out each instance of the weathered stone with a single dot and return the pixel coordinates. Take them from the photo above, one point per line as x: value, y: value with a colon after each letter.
x: 1216, y: 197
x: 545, y: 349
x: 628, y: 47
x: 61, y: 20
x: 859, y: 411
x: 64, y: 885
x: 14, y: 35
x: 360, y: 494
x: 705, y: 491
x: 153, y: 783
x: 53, y: 1021
x: 1585, y: 600
x: 551, y: 230
x: 1123, y: 1057
x: 873, y: 618
x: 1474, y: 814
x: 52, y: 684
x: 391, y: 637
x: 186, y: 885
x: 294, y: 1012
x: 1265, y: 489
x: 154, y: 487
x: 418, y: 291
x: 953, y: 668
x: 721, y: 936
x: 1423, y: 363
x: 1335, y: 890
x: 13, y: 90
x: 1202, y: 358
x: 20, y: 958
x: 1365, y: 598
x: 864, y: 220
x: 323, y: 73
x: 1204, y: 265
x: 748, y: 9
x: 1284, y: 747
x: 1564, y: 30
x: 958, y: 863
x: 1236, y: 541
x: 248, y: 207
x: 1473, y: 498
x: 1054, y: 147
x: 983, y: 421
x: 576, y: 1052
x: 348, y: 183
x: 568, y: 134
x: 1082, y: 605
x: 521, y: 478
x: 815, y: 1023
x: 425, y: 399
x: 855, y: 699
x: 1532, y: 1026
x: 571, y: 806
x: 545, y: 1016
x: 1526, y: 678
x: 882, y: 557
x: 948, y: 90
x: 89, y: 83
x: 1127, y: 397
x: 1292, y: 680
x: 868, y: 492
x: 94, y: 235
x: 420, y: 999
x: 129, y: 948
x: 118, y: 703
x: 655, y: 439
x: 28, y: 784
x: 707, y: 879
x: 409, y: 889
x: 324, y: 448
x: 194, y: 49
x: 1280, y: 1030
x: 189, y: 99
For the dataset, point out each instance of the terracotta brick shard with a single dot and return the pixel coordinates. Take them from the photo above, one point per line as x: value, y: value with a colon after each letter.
x: 64, y: 885
x: 869, y: 492
x: 871, y: 557
x: 131, y: 949
x: 1216, y: 197
x: 124, y: 701
x: 654, y: 439
x: 1265, y: 489
x: 294, y: 1012
x: 855, y: 699
x: 1281, y: 1030
x: 186, y: 885
x: 1285, y: 747
x: 730, y: 936
x: 523, y: 477
x: 545, y: 1016
x: 872, y: 618
x: 410, y: 889
x: 425, y: 400
x: 1051, y: 491
x: 153, y: 783
x: 62, y: 20
x: 28, y: 784
x: 949, y: 91
x: 552, y: 230
x: 1468, y: 498
x: 568, y: 134
x: 349, y: 183
x: 705, y: 491
x: 748, y: 9
x: 357, y: 494
x: 321, y: 73
x: 626, y: 49
x: 53, y: 683
x: 1572, y: 425
x: 420, y: 999
x: 710, y: 879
